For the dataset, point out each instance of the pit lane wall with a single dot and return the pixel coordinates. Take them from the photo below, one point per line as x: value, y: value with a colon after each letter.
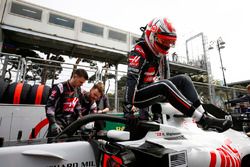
x: 22, y: 112
x: 26, y: 122
x: 22, y: 122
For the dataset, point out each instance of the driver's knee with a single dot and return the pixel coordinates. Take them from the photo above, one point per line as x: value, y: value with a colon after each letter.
x: 183, y: 78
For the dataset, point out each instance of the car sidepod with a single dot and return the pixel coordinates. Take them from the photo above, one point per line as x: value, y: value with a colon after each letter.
x: 73, y: 154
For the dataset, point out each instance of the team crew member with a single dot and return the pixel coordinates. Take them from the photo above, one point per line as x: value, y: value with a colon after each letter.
x: 88, y: 99
x: 63, y: 106
x: 244, y: 98
x: 102, y: 108
x: 145, y: 63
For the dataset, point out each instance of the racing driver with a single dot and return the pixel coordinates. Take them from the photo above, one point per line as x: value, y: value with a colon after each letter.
x: 145, y: 62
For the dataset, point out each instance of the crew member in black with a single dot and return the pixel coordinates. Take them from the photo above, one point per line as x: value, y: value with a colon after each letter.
x: 88, y: 99
x: 244, y: 98
x: 63, y: 106
x: 144, y: 88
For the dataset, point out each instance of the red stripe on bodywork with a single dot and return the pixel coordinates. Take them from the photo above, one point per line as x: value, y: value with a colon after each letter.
x: 117, y: 162
x: 235, y: 156
x: 237, y: 162
x: 38, y: 128
x: 105, y: 160
x: 229, y: 156
x: 222, y: 157
x: 213, y: 159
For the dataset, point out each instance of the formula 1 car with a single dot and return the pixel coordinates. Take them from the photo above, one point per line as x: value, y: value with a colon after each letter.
x: 173, y: 140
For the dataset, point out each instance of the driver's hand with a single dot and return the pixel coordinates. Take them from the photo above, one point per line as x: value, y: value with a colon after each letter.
x: 55, y: 128
x: 134, y: 109
x: 129, y: 109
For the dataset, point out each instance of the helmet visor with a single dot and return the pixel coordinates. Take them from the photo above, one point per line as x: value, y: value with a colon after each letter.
x: 165, y: 41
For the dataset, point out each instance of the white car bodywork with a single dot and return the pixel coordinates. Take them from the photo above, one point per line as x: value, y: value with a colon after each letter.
x: 187, y: 144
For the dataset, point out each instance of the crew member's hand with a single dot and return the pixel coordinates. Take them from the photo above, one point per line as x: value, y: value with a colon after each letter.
x: 55, y: 128
x: 100, y: 111
x: 229, y: 103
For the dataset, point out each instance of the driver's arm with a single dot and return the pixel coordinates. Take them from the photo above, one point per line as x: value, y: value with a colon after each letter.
x: 135, y: 63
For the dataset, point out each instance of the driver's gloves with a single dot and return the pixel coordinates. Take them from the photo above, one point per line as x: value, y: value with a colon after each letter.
x: 55, y: 128
x: 128, y: 110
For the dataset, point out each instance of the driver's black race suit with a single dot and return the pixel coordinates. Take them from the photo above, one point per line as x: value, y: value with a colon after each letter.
x: 143, y: 88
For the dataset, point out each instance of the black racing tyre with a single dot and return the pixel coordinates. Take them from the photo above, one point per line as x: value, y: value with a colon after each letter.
x: 38, y: 94
x: 245, y: 162
x: 3, y: 87
x: 17, y: 93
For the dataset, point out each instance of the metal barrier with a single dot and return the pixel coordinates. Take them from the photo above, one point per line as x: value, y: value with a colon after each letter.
x: 15, y: 68
x: 19, y: 67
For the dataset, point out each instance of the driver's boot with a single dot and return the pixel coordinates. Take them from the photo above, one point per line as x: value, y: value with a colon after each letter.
x: 207, y: 122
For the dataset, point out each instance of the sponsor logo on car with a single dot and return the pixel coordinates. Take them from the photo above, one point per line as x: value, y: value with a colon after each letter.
x: 75, y: 164
x: 226, y: 155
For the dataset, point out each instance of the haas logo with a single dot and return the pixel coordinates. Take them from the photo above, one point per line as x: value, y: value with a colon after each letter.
x: 70, y: 104
x: 134, y: 61
x: 225, y: 156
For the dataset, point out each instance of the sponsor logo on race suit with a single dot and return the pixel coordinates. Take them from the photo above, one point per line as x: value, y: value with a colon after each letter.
x: 53, y: 93
x: 149, y: 75
x: 140, y: 50
x: 134, y: 61
x: 69, y: 104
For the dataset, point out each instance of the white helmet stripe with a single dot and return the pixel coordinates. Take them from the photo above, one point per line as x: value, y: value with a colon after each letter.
x: 149, y: 44
x: 163, y: 26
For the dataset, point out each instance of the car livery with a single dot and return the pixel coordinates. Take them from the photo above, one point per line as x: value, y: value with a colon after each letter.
x: 174, y: 142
